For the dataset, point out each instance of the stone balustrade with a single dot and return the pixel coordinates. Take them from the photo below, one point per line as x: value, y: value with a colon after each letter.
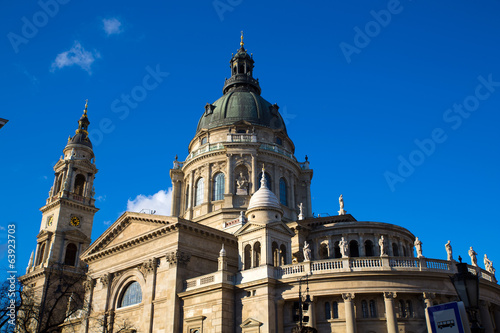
x: 209, y: 279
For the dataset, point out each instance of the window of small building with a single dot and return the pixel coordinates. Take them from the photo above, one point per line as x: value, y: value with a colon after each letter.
x: 283, y: 254
x: 409, y: 309
x: 132, y: 295
x: 219, y: 181
x: 256, y: 254
x: 200, y: 186
x: 279, y: 141
x: 373, y: 309
x: 283, y: 192
x: 364, y: 308
x: 41, y: 252
x: 204, y: 140
x: 70, y: 257
x: 335, y: 310
x: 248, y: 256
x: 328, y: 314
x: 276, y: 254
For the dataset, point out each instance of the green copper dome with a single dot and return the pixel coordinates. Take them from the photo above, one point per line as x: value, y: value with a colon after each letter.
x: 236, y: 106
x: 241, y: 100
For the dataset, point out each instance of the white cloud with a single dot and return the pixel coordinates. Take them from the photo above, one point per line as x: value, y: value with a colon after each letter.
x: 107, y: 222
x: 112, y: 26
x: 160, y: 202
x: 77, y: 55
x: 2, y: 228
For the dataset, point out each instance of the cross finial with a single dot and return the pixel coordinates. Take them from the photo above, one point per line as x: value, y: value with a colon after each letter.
x: 241, y: 43
x: 86, y: 104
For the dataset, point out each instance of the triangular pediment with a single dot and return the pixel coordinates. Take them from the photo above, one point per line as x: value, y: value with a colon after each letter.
x: 250, y: 322
x: 278, y: 226
x: 128, y: 227
x: 76, y: 234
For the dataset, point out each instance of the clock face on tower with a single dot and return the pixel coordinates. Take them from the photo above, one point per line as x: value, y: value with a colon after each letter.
x: 50, y: 219
x: 75, y: 221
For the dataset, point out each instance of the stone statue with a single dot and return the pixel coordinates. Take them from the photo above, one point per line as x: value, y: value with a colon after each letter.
x: 472, y: 255
x: 241, y: 182
x: 381, y: 243
x: 449, y: 251
x: 92, y: 193
x: 418, y: 247
x: 51, y: 191
x: 66, y: 184
x: 488, y: 264
x: 343, y: 247
x: 341, y: 203
x: 301, y: 211
x: 307, y: 251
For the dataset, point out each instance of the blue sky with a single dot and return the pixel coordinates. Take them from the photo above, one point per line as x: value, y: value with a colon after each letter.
x: 395, y: 103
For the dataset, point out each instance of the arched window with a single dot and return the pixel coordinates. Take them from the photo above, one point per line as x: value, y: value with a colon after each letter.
x: 200, y: 186
x: 276, y: 254
x: 70, y: 257
x: 328, y: 313
x: 283, y: 192
x: 256, y: 254
x: 364, y: 308
x: 335, y: 310
x: 409, y: 309
x: 336, y: 250
x: 132, y: 295
x: 369, y: 248
x: 41, y: 252
x: 353, y: 249
x: 395, y: 249
x: 79, y: 184
x: 283, y: 254
x: 248, y: 256
x: 218, y: 186
x: 373, y: 309
x: 268, y: 180
x: 323, y: 251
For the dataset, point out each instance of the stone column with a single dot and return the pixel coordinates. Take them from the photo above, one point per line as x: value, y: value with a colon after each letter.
x: 255, y: 173
x: 361, y: 245
x: 279, y: 314
x: 208, y: 185
x: 496, y: 317
x: 392, y: 323
x: 230, y: 175
x: 176, y: 194
x: 309, y: 206
x: 350, y: 316
x: 428, y: 298
x: 485, y: 316
x: 291, y: 203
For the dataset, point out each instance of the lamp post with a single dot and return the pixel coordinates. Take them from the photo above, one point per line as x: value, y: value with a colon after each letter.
x: 467, y: 287
x: 301, y: 328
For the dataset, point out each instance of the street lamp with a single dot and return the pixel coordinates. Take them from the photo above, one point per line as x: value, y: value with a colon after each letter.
x: 307, y: 301
x: 467, y: 287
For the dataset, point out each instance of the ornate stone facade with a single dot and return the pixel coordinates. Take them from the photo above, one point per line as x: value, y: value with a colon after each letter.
x: 231, y: 256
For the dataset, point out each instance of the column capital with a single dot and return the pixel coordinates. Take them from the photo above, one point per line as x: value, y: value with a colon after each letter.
x: 428, y: 295
x: 390, y: 294
x: 348, y: 296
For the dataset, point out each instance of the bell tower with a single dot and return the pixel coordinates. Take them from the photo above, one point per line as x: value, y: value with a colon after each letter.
x: 68, y: 213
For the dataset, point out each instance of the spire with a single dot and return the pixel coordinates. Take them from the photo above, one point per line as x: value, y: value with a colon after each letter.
x: 81, y: 134
x: 241, y: 72
x: 263, y: 182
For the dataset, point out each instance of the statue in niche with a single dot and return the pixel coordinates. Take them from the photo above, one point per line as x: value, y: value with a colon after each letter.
x: 307, y: 251
x: 343, y: 248
x: 449, y: 251
x: 241, y: 185
x: 381, y: 243
x: 472, y: 255
x: 418, y: 247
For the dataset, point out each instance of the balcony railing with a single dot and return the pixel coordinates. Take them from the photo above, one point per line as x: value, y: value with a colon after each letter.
x: 375, y: 264
x: 238, y: 137
x: 277, y: 149
x: 205, y: 149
